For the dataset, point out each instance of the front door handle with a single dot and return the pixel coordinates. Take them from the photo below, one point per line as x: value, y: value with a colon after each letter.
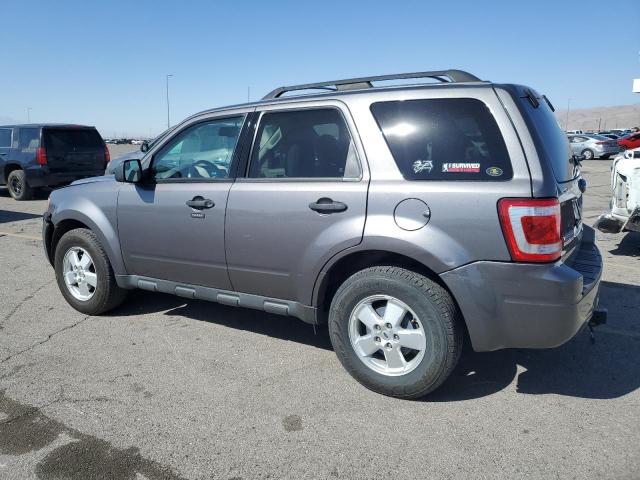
x: 200, y: 203
x: 327, y: 205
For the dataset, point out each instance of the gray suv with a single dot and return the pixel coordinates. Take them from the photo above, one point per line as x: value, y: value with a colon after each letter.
x: 409, y: 218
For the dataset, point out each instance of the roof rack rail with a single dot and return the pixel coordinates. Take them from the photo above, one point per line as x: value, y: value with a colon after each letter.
x: 454, y: 76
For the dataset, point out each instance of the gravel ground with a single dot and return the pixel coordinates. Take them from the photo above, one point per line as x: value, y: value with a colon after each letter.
x: 168, y: 388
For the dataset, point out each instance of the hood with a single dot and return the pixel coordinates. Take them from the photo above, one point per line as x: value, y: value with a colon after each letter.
x: 107, y: 178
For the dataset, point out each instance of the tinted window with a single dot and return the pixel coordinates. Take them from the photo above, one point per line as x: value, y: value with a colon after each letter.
x: 203, y: 151
x: 28, y: 139
x: 303, y: 144
x: 5, y: 137
x: 551, y: 143
x: 64, y: 140
x: 444, y: 139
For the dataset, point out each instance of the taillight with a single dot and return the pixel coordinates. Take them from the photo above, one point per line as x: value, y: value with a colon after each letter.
x: 41, y: 156
x: 601, y: 143
x: 531, y: 228
x: 107, y: 155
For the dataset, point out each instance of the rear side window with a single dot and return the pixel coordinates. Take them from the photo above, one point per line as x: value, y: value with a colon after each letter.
x: 444, y: 139
x: 312, y: 143
x: 5, y: 137
x: 72, y: 139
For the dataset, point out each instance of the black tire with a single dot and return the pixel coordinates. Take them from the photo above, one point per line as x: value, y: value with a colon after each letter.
x: 588, y: 154
x: 107, y: 294
x: 431, y: 303
x: 18, y: 186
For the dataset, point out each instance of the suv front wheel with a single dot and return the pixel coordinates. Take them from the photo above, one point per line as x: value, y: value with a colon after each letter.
x: 84, y: 274
x: 395, y: 331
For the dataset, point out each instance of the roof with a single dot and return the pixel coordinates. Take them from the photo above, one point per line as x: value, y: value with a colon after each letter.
x: 356, y: 86
x: 42, y: 125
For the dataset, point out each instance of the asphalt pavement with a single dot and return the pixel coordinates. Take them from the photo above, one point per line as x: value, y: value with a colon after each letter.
x: 165, y: 388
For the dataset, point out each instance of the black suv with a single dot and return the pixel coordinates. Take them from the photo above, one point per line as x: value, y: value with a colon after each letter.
x: 47, y: 155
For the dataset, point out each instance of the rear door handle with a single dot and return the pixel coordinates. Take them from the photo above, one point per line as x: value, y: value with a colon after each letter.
x: 327, y: 205
x: 200, y: 203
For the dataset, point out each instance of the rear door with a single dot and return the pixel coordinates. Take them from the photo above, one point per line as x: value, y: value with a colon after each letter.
x: 303, y: 200
x: 74, y: 150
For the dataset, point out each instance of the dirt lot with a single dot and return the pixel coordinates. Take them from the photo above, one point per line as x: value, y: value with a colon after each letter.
x: 168, y: 388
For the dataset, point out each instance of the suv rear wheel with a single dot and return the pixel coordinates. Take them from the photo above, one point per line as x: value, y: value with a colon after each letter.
x: 84, y: 274
x: 18, y: 187
x: 395, y: 331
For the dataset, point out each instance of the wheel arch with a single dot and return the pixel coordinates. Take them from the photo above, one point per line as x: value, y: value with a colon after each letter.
x: 10, y: 167
x: 342, y: 268
x: 98, y: 223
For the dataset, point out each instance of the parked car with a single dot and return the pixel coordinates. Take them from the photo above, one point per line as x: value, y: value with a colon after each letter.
x: 592, y: 146
x: 622, y: 132
x: 624, y: 212
x: 135, y: 154
x: 48, y: 155
x: 612, y: 136
x: 407, y: 217
x: 630, y: 141
x: 575, y: 132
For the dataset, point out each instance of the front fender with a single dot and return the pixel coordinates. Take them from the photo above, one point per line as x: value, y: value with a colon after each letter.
x: 95, y: 206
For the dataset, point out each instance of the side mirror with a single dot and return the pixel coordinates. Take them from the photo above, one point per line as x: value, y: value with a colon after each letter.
x: 144, y: 146
x: 130, y: 171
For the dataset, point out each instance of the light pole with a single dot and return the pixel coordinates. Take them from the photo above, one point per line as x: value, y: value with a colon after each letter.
x: 568, y: 108
x: 29, y: 114
x: 168, y: 118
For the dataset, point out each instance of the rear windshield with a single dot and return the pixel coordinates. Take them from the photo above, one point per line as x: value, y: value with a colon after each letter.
x: 72, y: 139
x: 551, y: 142
x: 444, y: 139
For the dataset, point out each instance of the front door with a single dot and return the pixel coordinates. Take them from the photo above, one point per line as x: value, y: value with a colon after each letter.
x: 302, y: 200
x: 172, y: 227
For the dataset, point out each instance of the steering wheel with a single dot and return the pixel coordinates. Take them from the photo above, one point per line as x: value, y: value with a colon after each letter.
x: 211, y: 168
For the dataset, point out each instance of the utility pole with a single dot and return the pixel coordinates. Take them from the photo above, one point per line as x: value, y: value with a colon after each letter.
x: 568, y: 108
x: 29, y: 114
x: 168, y: 117
x: 599, y: 124
x: 248, y: 94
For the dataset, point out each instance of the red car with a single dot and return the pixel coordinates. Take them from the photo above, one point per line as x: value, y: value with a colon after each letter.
x: 630, y: 141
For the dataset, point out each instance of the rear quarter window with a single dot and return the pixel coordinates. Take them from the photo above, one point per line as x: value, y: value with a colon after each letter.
x: 444, y: 139
x: 28, y: 139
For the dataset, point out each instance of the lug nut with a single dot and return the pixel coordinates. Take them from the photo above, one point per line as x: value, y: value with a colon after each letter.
x: 377, y: 339
x: 388, y: 325
x: 376, y: 327
x: 396, y: 337
x: 388, y: 345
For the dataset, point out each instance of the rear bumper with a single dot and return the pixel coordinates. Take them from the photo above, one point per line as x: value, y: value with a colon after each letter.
x: 511, y: 305
x: 42, y: 177
x: 607, y: 151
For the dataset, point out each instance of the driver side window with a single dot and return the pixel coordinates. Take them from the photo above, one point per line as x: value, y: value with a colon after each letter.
x: 201, y: 152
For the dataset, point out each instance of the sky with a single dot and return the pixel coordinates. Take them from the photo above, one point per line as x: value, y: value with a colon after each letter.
x: 104, y: 63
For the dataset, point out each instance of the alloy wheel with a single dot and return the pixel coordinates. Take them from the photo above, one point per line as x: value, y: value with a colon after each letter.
x: 386, y: 335
x: 79, y: 273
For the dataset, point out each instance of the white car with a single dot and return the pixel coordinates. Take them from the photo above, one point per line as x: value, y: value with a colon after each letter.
x: 624, y: 214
